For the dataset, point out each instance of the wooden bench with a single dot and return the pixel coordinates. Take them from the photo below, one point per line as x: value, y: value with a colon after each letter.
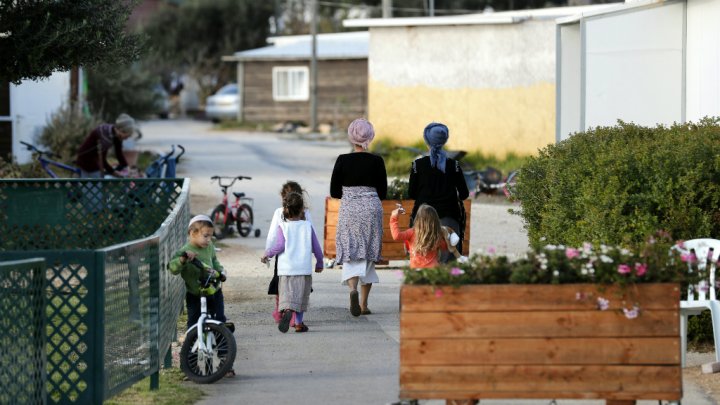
x: 391, y: 250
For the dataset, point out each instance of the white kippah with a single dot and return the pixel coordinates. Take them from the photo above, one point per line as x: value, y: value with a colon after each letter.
x: 198, y: 218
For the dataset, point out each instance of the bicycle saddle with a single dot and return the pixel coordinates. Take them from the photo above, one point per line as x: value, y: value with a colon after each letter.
x: 238, y: 195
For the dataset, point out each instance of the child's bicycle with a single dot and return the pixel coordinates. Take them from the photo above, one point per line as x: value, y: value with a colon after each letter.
x: 239, y: 214
x: 209, y: 349
x: 47, y: 164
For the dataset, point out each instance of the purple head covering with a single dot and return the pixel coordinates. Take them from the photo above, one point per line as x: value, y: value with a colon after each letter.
x: 435, y: 135
x: 361, y: 132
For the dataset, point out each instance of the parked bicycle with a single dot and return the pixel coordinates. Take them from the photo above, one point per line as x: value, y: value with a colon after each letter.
x: 47, y: 164
x: 209, y: 349
x: 238, y: 215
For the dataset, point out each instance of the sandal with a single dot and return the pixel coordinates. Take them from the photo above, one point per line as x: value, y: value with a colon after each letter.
x: 366, y: 311
x: 354, y: 303
x: 230, y: 374
x: 301, y: 328
x: 284, y: 324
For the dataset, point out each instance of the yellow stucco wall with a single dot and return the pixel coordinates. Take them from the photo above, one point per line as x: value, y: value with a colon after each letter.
x: 493, y: 121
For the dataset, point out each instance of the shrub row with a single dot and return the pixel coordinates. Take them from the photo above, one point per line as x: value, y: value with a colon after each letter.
x: 616, y: 185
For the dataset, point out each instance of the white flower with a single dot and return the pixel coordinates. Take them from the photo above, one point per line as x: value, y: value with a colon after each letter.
x: 606, y: 259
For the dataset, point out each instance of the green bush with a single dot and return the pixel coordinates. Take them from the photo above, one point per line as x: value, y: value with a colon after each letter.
x: 65, y: 131
x: 616, y: 185
x: 399, y: 159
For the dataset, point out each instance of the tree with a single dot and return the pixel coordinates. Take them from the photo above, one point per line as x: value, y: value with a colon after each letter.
x: 194, y: 37
x: 38, y: 37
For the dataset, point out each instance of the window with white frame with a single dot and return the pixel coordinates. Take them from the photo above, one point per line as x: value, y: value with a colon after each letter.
x: 291, y: 83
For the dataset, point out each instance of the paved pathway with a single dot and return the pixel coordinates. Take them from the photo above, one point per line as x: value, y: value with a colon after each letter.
x: 343, y: 360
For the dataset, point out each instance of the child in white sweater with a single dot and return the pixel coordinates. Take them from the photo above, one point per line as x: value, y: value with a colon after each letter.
x: 295, y: 244
x: 289, y: 187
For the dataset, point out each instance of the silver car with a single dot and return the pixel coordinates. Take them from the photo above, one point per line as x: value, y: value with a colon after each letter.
x: 224, y: 104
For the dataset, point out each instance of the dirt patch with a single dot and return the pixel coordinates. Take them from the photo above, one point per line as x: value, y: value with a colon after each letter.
x: 709, y: 383
x: 202, y: 204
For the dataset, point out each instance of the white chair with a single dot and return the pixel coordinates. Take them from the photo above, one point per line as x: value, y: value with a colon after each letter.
x: 703, y: 295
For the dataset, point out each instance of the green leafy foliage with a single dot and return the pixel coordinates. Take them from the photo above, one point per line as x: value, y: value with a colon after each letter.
x: 40, y: 37
x: 65, y: 131
x: 398, y: 190
x: 116, y: 89
x: 398, y: 158
x: 195, y: 36
x: 617, y: 184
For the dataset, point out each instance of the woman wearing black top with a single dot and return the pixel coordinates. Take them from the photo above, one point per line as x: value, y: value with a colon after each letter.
x: 438, y: 181
x: 360, y: 181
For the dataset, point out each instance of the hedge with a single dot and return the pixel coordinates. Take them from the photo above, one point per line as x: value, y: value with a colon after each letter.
x: 616, y: 185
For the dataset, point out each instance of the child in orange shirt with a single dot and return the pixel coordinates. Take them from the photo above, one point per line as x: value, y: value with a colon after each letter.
x: 425, y: 238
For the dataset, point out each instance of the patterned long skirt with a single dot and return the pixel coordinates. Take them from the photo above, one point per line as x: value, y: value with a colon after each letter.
x: 359, y: 228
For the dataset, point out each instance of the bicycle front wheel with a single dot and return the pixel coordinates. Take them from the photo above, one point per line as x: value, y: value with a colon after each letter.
x: 221, y: 228
x: 208, y: 361
x: 244, y: 220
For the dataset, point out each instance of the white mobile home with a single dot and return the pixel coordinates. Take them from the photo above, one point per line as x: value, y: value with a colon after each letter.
x: 649, y: 62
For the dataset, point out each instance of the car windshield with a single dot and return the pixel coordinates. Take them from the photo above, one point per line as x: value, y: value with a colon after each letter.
x: 228, y: 89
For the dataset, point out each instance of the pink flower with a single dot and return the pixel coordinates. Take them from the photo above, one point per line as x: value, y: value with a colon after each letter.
x: 571, y: 253
x: 438, y: 293
x: 631, y: 313
x: 624, y: 269
x: 491, y: 250
x: 640, y: 269
x: 603, y: 304
x: 456, y: 271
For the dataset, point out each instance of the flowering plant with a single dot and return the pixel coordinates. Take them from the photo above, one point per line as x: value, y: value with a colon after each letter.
x: 655, y: 261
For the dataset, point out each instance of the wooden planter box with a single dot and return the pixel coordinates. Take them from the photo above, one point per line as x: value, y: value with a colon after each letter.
x: 391, y: 250
x: 538, y: 341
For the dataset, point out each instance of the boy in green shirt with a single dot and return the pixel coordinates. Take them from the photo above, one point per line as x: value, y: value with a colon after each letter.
x: 200, y: 246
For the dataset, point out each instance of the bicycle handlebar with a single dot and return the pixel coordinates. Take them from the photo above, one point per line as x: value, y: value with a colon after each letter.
x: 234, y: 179
x: 182, y: 152
x: 38, y: 151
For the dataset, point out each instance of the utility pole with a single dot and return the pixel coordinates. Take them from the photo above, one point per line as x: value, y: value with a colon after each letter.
x: 387, y: 9
x: 313, y: 68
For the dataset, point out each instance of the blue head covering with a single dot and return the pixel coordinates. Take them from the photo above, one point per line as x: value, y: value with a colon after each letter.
x: 435, y: 135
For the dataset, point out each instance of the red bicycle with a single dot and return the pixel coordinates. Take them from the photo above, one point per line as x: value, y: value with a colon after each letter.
x: 238, y: 215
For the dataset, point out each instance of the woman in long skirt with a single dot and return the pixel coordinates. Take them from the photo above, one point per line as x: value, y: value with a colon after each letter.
x: 359, y: 180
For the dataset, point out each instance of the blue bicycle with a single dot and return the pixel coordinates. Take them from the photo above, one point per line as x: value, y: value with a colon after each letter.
x: 48, y: 165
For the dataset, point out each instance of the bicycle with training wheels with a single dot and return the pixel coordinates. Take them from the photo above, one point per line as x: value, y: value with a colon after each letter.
x: 239, y: 214
x: 209, y: 349
x: 48, y: 164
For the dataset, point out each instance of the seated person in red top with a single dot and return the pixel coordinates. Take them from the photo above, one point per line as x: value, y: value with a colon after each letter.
x: 92, y: 154
x: 426, y: 237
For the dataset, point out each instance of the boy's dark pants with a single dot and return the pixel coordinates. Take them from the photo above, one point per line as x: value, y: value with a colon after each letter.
x: 215, y: 307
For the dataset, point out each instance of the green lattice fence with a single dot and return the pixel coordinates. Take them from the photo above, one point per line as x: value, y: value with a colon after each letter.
x: 111, y: 302
x: 22, y: 341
